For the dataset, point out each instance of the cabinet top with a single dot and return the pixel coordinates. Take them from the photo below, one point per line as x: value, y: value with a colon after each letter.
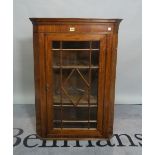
x: 72, y: 20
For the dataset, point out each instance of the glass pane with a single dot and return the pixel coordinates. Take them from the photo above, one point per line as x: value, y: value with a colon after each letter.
x: 75, y: 58
x: 94, y: 86
x: 75, y: 45
x: 57, y: 124
x: 75, y: 113
x: 75, y: 83
x: 95, y: 58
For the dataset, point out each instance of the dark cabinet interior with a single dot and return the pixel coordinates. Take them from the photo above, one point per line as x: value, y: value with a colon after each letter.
x: 75, y: 70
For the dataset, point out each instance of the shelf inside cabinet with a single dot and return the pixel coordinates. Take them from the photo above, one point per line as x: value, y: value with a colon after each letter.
x: 83, y: 101
x: 73, y: 66
x: 74, y: 49
x: 75, y: 121
x: 71, y: 105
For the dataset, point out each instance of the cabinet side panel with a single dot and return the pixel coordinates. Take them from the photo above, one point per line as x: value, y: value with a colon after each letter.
x: 36, y: 81
x: 111, y: 56
x: 113, y: 79
x: 39, y: 75
x: 107, y: 101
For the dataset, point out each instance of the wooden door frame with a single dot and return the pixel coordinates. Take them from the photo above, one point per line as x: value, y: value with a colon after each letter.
x: 101, y: 83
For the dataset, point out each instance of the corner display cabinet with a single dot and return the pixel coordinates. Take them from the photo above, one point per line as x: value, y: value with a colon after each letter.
x: 74, y: 68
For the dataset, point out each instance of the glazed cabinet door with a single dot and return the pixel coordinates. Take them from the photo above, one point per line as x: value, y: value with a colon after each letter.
x: 75, y: 68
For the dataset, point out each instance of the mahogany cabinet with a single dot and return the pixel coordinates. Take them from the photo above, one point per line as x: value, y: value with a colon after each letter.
x: 74, y: 68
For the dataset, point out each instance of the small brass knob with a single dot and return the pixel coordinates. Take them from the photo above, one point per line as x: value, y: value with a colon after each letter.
x: 72, y: 29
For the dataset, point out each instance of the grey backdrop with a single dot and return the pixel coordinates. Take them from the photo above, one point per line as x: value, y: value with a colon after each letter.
x: 128, y: 83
